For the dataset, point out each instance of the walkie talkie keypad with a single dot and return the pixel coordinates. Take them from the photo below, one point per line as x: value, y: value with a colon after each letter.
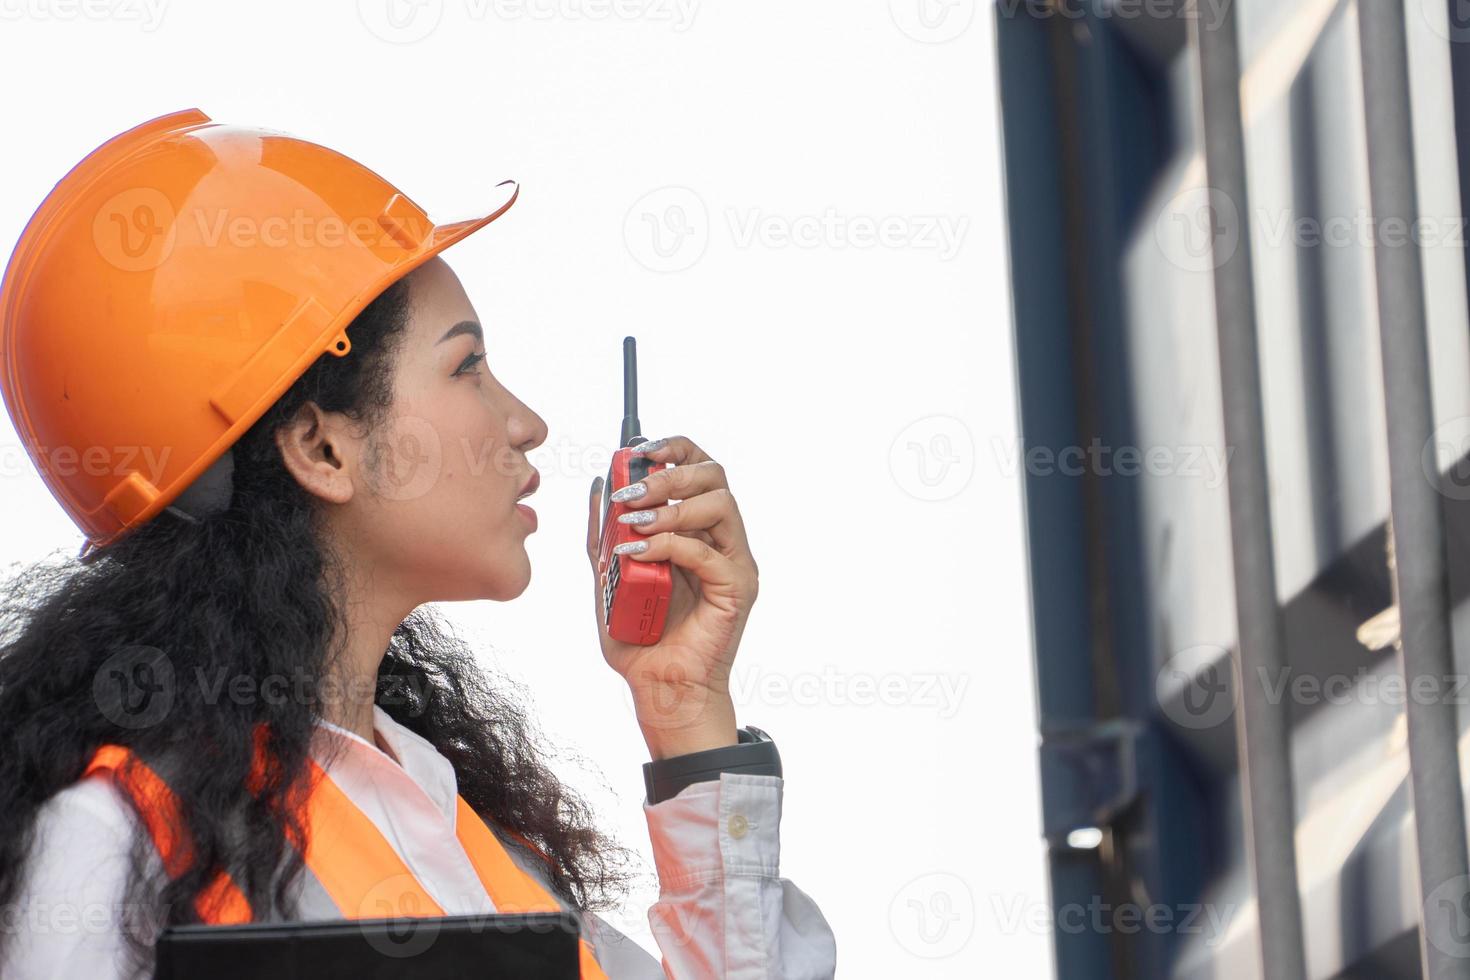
x: 610, y: 588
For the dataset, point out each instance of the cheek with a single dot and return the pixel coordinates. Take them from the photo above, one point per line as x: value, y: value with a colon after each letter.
x: 449, y: 476
x: 446, y: 514
x: 479, y: 474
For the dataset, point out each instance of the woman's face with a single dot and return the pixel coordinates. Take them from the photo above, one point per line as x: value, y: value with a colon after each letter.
x: 431, y: 512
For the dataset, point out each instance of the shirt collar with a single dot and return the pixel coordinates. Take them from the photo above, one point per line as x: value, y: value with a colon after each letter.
x: 416, y: 756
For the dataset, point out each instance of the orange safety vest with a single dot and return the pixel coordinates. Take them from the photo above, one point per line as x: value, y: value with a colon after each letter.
x: 349, y: 856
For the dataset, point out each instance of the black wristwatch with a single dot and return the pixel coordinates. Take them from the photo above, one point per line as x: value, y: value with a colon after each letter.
x: 755, y: 754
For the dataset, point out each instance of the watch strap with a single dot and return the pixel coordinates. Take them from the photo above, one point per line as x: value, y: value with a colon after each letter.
x: 754, y: 754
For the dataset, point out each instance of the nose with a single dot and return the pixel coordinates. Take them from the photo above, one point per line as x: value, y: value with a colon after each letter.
x: 524, y: 428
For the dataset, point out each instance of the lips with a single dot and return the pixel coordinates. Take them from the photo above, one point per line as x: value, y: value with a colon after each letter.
x: 531, y: 485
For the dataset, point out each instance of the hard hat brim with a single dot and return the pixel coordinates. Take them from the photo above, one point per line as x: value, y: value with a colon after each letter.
x: 445, y: 235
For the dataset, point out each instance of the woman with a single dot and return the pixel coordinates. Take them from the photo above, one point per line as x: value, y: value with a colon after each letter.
x: 239, y: 363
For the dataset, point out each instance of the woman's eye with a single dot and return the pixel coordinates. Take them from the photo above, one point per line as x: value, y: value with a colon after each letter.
x: 470, y: 362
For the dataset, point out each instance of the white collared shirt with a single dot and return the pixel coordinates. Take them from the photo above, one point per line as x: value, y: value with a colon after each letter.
x: 723, y: 908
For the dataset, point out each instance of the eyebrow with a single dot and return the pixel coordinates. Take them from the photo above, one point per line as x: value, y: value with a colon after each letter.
x: 464, y: 326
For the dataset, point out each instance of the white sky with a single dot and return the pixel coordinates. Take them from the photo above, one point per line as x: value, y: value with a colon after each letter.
x: 860, y: 395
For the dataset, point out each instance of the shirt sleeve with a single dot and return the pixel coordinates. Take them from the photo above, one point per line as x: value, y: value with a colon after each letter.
x: 723, y: 909
x: 69, y: 913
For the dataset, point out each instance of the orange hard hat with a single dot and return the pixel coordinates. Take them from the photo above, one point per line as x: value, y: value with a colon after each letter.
x: 173, y: 285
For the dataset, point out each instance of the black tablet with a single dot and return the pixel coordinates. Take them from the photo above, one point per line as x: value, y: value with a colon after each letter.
x: 540, y: 944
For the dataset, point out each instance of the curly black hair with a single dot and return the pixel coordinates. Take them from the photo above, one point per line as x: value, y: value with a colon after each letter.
x: 253, y: 590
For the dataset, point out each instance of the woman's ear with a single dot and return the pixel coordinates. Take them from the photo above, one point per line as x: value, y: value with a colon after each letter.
x: 320, y: 451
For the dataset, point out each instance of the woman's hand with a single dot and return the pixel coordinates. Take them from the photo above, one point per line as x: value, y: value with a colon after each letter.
x: 681, y: 684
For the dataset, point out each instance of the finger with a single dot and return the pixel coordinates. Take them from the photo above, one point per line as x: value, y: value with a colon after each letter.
x: 699, y: 536
x: 717, y: 574
x: 714, y: 511
x: 594, y: 521
x: 679, y: 450
x: 678, y: 483
x: 594, y: 546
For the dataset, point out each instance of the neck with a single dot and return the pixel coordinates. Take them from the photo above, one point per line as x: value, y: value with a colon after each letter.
x: 372, y: 612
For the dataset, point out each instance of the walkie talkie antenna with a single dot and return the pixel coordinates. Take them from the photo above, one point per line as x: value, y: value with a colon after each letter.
x: 631, y: 434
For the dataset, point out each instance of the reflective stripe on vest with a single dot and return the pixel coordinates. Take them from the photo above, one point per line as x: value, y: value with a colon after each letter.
x: 346, y: 854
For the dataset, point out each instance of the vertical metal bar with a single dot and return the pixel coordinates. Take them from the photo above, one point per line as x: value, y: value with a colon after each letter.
x: 1420, y: 576
x: 1263, y: 725
x: 1075, y: 71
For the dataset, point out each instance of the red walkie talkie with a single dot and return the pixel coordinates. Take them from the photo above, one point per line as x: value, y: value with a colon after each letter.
x: 635, y: 594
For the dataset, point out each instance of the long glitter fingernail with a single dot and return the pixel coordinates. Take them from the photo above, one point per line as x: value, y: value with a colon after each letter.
x: 631, y: 492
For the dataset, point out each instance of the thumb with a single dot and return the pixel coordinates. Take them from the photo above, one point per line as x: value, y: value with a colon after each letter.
x: 594, y: 520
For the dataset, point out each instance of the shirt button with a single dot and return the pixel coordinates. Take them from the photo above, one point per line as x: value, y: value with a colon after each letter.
x: 737, y: 825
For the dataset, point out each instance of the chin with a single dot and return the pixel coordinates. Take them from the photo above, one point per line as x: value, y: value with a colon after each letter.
x: 509, y: 578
